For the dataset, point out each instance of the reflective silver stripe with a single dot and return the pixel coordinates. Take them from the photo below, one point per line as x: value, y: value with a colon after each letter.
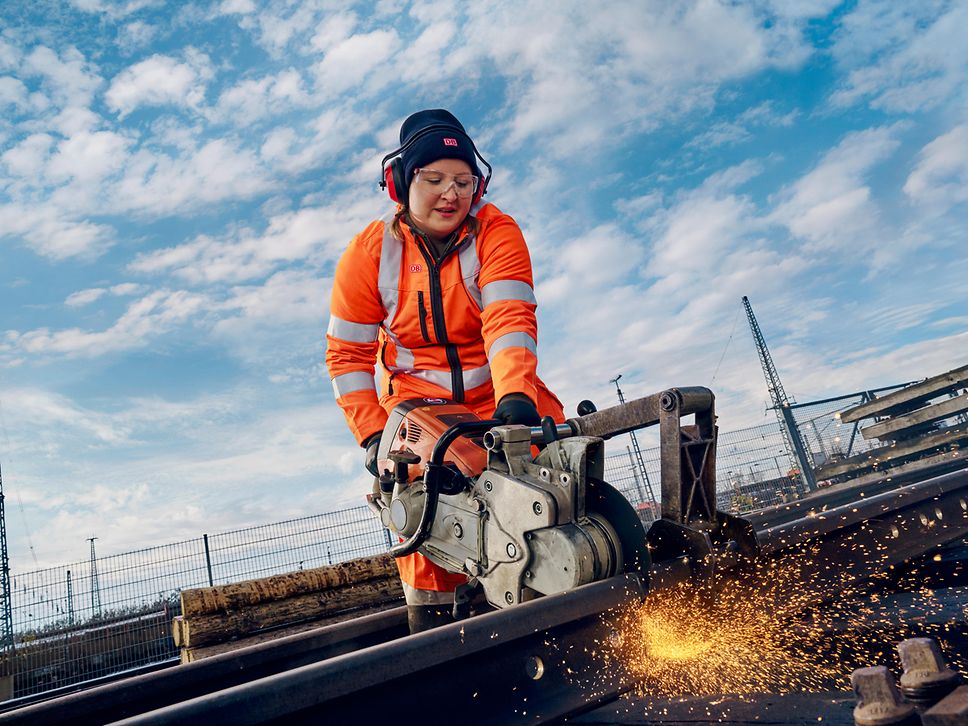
x: 353, y: 381
x: 512, y: 340
x: 388, y: 282
x: 404, y: 357
x: 507, y: 290
x: 470, y: 269
x: 353, y: 332
x: 416, y: 596
x: 473, y: 377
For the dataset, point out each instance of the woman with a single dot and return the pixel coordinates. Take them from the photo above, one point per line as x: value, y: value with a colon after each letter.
x: 441, y: 294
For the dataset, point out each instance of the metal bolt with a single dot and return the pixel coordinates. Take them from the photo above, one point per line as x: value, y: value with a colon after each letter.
x: 537, y: 507
x: 512, y: 550
x: 926, y: 678
x: 878, y: 701
x: 508, y: 597
x: 458, y: 530
x: 534, y: 667
x: 528, y: 574
x: 668, y: 400
x: 487, y: 485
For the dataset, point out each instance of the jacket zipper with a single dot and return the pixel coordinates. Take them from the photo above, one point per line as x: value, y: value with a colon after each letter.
x: 423, y: 316
x: 440, y: 328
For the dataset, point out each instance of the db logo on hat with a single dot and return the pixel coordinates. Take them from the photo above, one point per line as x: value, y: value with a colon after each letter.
x: 450, y: 142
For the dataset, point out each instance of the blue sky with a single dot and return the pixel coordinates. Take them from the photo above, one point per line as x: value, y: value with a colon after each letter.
x: 177, y: 181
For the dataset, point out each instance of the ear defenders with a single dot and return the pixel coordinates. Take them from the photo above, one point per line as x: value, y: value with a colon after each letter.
x: 393, y: 177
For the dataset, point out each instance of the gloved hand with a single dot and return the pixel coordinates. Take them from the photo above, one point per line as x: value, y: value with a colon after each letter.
x: 516, y: 408
x: 372, y: 445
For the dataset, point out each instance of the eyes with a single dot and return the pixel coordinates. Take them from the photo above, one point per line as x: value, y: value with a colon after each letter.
x: 461, y: 183
x: 432, y: 181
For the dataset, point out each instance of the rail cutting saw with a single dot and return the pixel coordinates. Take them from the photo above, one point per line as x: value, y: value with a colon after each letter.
x: 470, y: 495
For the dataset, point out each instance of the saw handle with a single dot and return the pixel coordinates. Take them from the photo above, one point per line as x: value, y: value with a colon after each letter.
x: 432, y: 483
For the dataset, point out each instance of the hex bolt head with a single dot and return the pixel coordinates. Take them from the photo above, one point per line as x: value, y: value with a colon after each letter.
x: 458, y: 530
x: 537, y: 507
x: 926, y: 678
x: 878, y: 700
x: 508, y: 597
x: 488, y: 486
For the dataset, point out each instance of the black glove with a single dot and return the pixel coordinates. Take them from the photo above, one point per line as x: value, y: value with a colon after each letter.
x: 372, y: 445
x: 516, y: 408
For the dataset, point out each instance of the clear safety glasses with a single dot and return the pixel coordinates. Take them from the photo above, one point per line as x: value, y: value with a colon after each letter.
x: 432, y: 181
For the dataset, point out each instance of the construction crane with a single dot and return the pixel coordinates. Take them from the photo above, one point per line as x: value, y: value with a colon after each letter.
x: 781, y: 404
x: 6, y: 625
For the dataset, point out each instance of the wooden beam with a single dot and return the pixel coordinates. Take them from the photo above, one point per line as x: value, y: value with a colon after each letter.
x: 896, y: 452
x: 239, y: 595
x: 893, y: 427
x: 210, y: 628
x: 908, y: 396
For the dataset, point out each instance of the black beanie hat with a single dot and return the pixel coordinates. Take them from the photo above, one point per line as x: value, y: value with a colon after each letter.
x: 451, y: 142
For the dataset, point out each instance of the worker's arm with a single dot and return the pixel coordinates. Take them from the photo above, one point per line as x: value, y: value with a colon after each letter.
x: 356, y: 312
x: 509, y: 326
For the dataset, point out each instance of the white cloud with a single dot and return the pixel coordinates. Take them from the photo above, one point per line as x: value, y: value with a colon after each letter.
x: 47, y: 410
x: 831, y: 204
x: 940, y: 179
x: 903, y: 57
x: 84, y: 297
x: 72, y: 80
x: 12, y: 93
x: 87, y: 157
x: 29, y: 157
x: 155, y: 183
x: 113, y: 8
x: 252, y: 100
x: 92, y: 294
x: 144, y: 320
x: 333, y: 30
x: 302, y: 235
x: 53, y: 234
x: 236, y: 7
x: 349, y: 62
x: 159, y: 81
x: 137, y: 34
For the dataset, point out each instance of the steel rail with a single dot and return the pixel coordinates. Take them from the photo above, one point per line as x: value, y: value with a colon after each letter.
x: 134, y: 695
x: 511, y: 666
x: 517, y: 665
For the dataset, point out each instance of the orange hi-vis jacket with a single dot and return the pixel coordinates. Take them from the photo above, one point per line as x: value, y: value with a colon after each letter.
x: 463, y: 329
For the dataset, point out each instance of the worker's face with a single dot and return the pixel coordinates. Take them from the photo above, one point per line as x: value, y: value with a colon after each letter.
x: 436, y: 203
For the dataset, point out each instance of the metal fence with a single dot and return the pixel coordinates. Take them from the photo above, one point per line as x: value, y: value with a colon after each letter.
x: 93, y: 618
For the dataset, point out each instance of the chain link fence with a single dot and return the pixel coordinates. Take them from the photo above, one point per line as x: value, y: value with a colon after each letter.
x: 94, y: 618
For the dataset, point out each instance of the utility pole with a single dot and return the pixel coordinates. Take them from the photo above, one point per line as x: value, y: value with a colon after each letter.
x: 95, y: 587
x: 6, y: 626
x: 70, y: 599
x: 781, y: 404
x: 635, y: 443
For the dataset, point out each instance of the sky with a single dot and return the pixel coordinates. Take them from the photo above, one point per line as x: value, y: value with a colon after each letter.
x: 178, y: 180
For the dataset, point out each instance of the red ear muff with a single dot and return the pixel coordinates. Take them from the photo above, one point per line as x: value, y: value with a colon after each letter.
x: 481, y: 188
x: 394, y: 182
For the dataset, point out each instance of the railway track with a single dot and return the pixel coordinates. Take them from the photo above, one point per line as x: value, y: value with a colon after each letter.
x: 532, y: 663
